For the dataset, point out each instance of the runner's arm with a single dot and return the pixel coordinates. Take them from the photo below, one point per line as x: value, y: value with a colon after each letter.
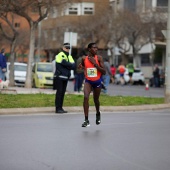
x: 100, y: 67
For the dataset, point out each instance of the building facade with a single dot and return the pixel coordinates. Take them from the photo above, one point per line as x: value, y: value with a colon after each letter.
x: 148, y: 10
x: 73, y: 18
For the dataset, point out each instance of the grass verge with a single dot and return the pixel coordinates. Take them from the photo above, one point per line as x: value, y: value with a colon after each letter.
x: 47, y: 100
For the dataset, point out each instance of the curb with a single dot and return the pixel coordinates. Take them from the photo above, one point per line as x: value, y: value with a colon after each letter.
x: 45, y: 110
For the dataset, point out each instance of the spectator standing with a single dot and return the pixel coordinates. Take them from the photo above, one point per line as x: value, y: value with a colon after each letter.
x: 156, y: 75
x: 130, y: 68
x: 79, y: 74
x: 64, y: 64
x: 107, y: 76
x: 113, y: 71
x: 3, y: 65
x: 121, y: 70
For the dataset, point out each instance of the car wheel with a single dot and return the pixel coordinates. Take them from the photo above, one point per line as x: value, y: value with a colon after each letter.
x: 141, y: 82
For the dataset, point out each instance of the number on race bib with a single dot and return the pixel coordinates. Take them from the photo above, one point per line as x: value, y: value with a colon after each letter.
x: 91, y: 72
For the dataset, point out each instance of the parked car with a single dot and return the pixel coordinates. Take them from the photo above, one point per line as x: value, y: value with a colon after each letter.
x: 138, y: 77
x: 20, y: 70
x: 42, y: 75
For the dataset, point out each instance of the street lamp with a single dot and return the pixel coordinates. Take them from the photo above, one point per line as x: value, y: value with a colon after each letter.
x: 167, y: 69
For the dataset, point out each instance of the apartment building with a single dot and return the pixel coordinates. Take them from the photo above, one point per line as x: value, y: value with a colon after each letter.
x: 51, y: 31
x: 148, y: 9
x: 72, y: 18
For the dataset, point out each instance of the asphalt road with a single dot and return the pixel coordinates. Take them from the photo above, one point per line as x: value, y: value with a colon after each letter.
x: 124, y: 141
x: 128, y: 90
x: 113, y: 90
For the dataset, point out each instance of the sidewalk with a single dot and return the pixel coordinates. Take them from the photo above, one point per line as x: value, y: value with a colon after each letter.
x: 51, y: 110
x: 44, y: 110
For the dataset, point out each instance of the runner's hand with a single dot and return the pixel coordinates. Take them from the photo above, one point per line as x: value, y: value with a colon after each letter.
x: 92, y: 60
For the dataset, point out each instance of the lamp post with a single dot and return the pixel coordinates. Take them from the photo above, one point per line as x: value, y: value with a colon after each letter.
x: 167, y: 69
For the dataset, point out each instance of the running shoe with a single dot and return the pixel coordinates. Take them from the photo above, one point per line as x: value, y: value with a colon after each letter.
x: 86, y: 123
x: 98, y: 119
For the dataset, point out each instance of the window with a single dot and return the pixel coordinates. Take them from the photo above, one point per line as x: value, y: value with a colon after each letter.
x: 17, y: 25
x: 73, y: 11
x: 162, y: 3
x: 130, y: 5
x: 88, y: 11
x: 87, y: 8
x: 20, y: 68
x: 80, y: 9
x: 145, y: 59
x: 44, y: 68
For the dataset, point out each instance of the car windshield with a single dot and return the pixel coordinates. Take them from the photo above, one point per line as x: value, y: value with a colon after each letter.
x: 20, y: 68
x: 44, y: 68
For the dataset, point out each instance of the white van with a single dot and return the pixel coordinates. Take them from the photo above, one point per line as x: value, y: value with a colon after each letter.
x: 20, y: 70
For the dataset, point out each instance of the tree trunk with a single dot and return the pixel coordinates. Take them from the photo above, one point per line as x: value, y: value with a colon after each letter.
x: 124, y: 59
x: 28, y: 83
x: 137, y: 61
x: 12, y: 60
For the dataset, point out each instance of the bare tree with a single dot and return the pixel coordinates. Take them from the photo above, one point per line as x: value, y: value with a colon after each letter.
x: 24, y: 8
x: 11, y: 34
x: 128, y: 32
x: 23, y: 44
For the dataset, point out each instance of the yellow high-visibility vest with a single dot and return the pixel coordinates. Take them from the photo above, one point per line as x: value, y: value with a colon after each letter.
x: 62, y: 56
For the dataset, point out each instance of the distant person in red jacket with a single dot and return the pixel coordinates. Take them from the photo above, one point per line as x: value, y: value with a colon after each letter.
x: 113, y: 71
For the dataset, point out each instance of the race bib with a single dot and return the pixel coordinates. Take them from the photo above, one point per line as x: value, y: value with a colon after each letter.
x: 91, y: 72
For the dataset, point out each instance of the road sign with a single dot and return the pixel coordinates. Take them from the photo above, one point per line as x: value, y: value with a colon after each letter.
x: 70, y: 37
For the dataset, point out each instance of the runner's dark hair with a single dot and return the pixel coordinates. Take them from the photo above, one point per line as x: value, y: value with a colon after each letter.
x: 90, y: 45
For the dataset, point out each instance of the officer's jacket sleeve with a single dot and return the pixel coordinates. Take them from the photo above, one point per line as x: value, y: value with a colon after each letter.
x: 64, y: 61
x: 68, y: 65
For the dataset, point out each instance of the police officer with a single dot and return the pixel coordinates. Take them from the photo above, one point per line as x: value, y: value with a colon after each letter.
x: 64, y: 64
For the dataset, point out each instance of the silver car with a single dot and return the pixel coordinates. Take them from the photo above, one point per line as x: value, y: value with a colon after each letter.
x: 20, y: 70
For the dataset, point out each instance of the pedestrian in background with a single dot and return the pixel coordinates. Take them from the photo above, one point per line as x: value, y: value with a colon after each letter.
x: 64, y: 64
x: 130, y: 68
x: 113, y: 71
x: 3, y: 65
x: 79, y: 74
x: 121, y: 70
x: 156, y: 75
x: 93, y: 69
x: 107, y: 76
